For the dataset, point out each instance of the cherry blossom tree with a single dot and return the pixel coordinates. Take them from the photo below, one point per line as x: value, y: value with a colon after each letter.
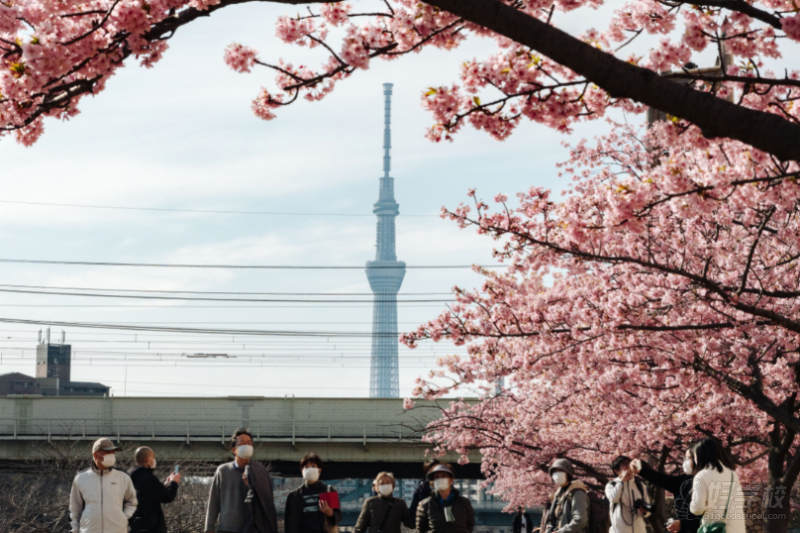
x: 57, y: 52
x: 670, y: 307
x: 671, y: 312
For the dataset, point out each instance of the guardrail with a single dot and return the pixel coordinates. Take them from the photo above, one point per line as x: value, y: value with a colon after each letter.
x: 291, y: 431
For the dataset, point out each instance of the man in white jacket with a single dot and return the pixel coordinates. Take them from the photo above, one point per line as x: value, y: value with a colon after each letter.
x: 623, y: 493
x: 102, y: 499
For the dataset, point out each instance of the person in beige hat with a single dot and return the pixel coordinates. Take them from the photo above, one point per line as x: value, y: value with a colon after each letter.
x: 102, y: 499
x: 569, y: 511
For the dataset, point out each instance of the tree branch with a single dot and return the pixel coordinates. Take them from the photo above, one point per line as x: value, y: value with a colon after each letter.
x: 714, y: 116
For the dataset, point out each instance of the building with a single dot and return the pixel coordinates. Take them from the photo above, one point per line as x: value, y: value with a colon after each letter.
x: 53, y: 374
x: 385, y: 275
x: 16, y: 383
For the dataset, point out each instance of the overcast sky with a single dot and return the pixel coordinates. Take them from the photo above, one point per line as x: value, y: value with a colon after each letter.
x: 181, y: 135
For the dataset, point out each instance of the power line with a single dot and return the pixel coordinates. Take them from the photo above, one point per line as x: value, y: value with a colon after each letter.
x: 282, y: 323
x: 245, y: 267
x: 191, y: 334
x: 206, y: 299
x: 117, y: 306
x: 204, y: 211
x: 221, y: 292
x: 232, y: 332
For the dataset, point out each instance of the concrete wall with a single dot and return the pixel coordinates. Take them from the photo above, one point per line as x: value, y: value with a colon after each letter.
x: 351, y: 432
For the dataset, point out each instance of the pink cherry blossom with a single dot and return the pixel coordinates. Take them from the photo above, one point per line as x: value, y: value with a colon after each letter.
x: 671, y: 293
x: 240, y: 58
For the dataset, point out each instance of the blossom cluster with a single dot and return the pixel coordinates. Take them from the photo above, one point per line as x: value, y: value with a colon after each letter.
x: 54, y: 53
x: 496, y: 93
x: 672, y: 295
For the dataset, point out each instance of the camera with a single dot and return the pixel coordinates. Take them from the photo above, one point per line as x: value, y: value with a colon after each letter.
x: 641, y: 504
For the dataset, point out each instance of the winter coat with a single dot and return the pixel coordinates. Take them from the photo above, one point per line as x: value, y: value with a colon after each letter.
x: 151, y: 493
x: 374, y: 511
x: 260, y: 501
x: 293, y: 516
x: 422, y: 491
x: 516, y: 526
x: 101, y: 501
x: 710, y: 494
x: 680, y: 485
x: 569, y: 511
x: 431, y: 517
x: 622, y: 496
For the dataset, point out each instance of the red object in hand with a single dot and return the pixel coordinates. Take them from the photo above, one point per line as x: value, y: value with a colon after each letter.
x: 331, y: 498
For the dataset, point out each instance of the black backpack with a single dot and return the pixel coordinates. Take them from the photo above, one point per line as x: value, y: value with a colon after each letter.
x: 599, y: 516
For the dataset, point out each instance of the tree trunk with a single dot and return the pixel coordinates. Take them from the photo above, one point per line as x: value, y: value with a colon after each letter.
x: 781, y: 478
x: 777, y: 511
x: 659, y: 515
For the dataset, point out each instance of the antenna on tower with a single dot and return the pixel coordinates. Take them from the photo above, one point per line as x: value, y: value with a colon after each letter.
x: 387, y: 128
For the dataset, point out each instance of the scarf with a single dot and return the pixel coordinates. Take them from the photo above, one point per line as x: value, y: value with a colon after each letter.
x: 447, y: 506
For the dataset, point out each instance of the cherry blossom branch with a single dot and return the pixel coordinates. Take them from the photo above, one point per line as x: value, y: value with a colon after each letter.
x: 699, y: 76
x: 715, y: 116
x: 737, y: 6
x: 95, y: 26
x: 755, y: 396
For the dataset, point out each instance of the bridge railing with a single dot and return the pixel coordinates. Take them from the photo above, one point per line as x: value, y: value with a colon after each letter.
x: 204, y: 430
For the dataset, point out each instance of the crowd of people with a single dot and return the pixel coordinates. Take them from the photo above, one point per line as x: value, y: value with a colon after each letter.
x: 708, y: 481
x: 104, y: 499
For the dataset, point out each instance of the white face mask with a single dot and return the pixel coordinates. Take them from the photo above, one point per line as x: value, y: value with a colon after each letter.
x: 560, y: 478
x: 311, y: 474
x: 245, y: 451
x: 441, y: 484
x: 153, y: 464
x: 688, y: 466
x: 109, y: 460
x: 385, y: 490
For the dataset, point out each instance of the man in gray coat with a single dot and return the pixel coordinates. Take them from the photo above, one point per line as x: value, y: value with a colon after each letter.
x: 241, y: 496
x: 569, y: 512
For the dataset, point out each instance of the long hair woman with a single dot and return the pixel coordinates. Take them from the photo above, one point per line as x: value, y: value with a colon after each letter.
x: 716, y: 493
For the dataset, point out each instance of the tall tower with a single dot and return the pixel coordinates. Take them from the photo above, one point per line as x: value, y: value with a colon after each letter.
x: 385, y: 275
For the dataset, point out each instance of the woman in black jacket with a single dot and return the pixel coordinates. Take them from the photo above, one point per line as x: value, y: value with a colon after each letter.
x: 306, y: 511
x: 384, y: 513
x: 680, y: 485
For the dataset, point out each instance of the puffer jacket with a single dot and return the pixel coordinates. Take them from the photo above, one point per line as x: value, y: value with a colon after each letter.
x: 569, y: 512
x: 431, y: 519
x: 101, y: 501
x: 374, y: 511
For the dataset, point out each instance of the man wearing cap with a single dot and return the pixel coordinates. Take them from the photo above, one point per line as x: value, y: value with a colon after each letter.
x: 445, y: 510
x: 569, y: 512
x: 102, y: 499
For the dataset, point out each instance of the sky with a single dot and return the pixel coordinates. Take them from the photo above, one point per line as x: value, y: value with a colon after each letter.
x: 182, y: 136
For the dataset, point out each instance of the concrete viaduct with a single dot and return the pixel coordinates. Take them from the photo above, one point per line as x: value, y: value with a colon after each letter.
x: 355, y: 437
